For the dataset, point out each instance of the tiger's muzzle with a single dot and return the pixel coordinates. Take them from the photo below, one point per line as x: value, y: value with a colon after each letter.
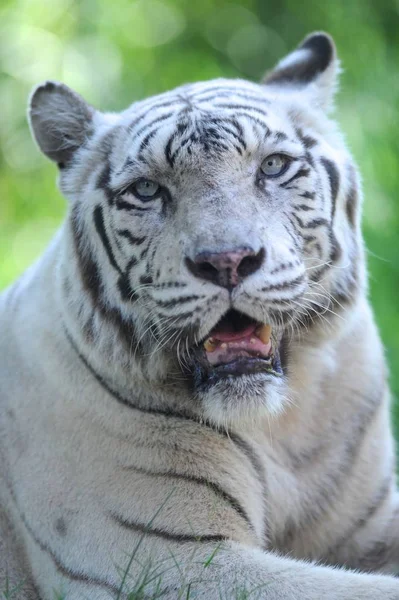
x: 238, y: 345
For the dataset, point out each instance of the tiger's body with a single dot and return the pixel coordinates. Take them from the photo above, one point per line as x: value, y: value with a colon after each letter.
x: 124, y: 449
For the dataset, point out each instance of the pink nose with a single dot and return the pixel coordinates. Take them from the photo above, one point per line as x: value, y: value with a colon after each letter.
x: 226, y: 269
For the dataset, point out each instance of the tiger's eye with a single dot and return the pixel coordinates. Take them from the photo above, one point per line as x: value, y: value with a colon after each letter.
x: 145, y: 188
x: 274, y: 165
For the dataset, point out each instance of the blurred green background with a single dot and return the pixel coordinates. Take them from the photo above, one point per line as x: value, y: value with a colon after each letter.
x: 116, y: 51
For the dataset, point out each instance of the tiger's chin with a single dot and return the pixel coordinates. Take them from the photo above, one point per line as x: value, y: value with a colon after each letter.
x: 242, y: 400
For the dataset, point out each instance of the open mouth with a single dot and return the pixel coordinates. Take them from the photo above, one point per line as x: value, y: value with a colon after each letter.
x: 238, y: 345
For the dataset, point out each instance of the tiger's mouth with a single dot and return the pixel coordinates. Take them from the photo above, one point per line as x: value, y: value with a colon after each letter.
x: 238, y: 345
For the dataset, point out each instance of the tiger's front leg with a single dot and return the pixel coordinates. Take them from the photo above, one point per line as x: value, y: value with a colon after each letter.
x: 146, y: 524
x: 210, y: 572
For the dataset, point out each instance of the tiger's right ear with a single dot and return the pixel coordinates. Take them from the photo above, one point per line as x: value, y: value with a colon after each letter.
x: 312, y: 69
x: 60, y: 120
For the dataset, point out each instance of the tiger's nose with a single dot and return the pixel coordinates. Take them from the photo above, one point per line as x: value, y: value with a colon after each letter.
x: 226, y: 269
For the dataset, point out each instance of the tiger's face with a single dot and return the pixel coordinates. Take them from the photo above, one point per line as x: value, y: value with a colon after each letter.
x: 217, y: 218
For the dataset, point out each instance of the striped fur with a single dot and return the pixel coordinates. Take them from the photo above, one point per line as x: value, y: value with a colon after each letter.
x: 113, y: 458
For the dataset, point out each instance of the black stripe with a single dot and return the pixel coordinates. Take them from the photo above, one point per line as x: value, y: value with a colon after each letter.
x: 319, y: 222
x: 254, y: 120
x: 123, y: 205
x: 303, y: 172
x: 333, y: 177
x: 155, y: 121
x: 166, y: 535
x: 145, y: 142
x: 257, y: 466
x: 134, y: 241
x: 89, y: 270
x: 149, y: 108
x: 284, y: 266
x: 292, y: 236
x: 345, y: 296
x: 304, y: 207
x: 209, y: 141
x: 88, y: 329
x: 168, y: 154
x: 100, y: 228
x: 144, y: 253
x: 146, y: 279
x: 275, y: 302
x: 296, y: 229
x: 218, y: 491
x: 92, y: 284
x: 308, y: 195
x: 352, y: 202
x: 310, y: 159
x: 308, y: 141
x: 284, y: 285
x: 317, y: 246
x: 309, y: 238
x: 252, y: 456
x: 240, y: 130
x: 176, y: 301
x: 233, y: 134
x: 103, y: 182
x: 280, y: 136
x: 242, y: 107
x: 127, y: 292
x: 170, y: 284
x: 129, y: 164
x: 212, y: 132
x: 106, y: 142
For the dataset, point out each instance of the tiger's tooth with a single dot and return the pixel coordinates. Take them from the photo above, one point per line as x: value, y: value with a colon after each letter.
x: 253, y: 340
x: 224, y: 345
x: 210, y: 345
x: 264, y: 332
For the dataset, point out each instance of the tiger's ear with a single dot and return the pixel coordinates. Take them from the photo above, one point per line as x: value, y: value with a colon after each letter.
x: 60, y: 120
x: 312, y: 68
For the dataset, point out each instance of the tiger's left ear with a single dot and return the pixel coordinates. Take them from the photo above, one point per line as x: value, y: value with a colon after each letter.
x: 60, y: 120
x: 312, y: 68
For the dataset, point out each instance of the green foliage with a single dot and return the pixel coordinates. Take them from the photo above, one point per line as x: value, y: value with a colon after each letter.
x: 120, y: 51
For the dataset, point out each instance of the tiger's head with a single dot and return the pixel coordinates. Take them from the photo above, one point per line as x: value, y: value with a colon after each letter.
x: 213, y: 227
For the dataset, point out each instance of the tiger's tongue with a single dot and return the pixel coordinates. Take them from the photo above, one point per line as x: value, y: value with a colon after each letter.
x: 225, y: 333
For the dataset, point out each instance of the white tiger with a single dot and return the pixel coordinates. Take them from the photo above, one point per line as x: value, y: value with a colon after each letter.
x: 193, y: 391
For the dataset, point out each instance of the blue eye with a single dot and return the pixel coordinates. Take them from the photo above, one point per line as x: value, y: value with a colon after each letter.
x: 274, y: 165
x: 145, y: 189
